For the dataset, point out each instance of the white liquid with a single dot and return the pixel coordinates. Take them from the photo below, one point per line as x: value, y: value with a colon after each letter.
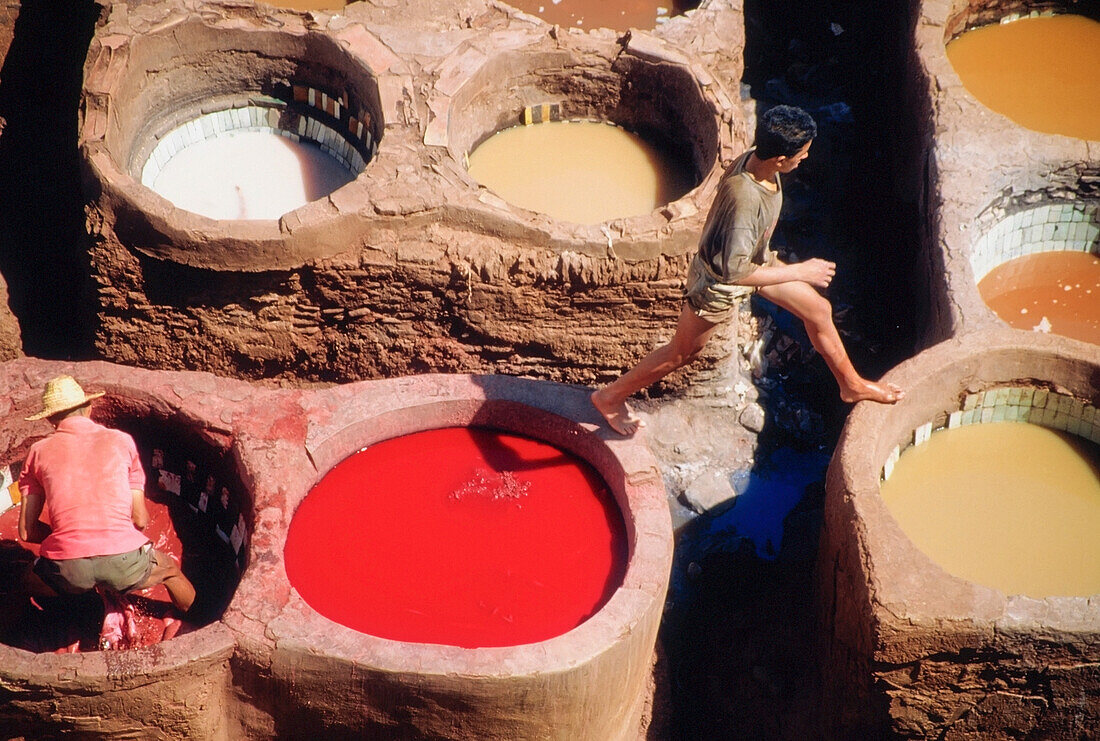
x: 249, y: 175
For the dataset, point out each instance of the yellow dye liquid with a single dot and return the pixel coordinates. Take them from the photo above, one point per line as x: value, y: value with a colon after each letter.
x: 1009, y: 505
x: 586, y: 172
x: 1043, y: 73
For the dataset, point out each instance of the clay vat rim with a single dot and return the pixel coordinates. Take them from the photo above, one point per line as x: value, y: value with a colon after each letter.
x: 945, y: 83
x: 646, y: 49
x: 507, y: 7
x: 160, y: 661
x: 639, y: 597
x: 933, y: 378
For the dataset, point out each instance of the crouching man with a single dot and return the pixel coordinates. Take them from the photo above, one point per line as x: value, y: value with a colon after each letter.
x: 91, y: 478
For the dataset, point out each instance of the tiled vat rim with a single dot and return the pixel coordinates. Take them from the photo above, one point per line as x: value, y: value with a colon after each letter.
x: 988, y: 16
x: 318, y: 113
x: 1012, y: 404
x: 1069, y: 225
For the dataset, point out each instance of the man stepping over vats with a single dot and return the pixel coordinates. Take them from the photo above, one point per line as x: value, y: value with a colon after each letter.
x: 734, y: 261
x: 90, y: 479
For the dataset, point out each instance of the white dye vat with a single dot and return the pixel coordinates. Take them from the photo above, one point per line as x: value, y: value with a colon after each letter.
x: 248, y: 175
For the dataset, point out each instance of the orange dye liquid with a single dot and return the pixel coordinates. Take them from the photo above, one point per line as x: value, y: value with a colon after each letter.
x: 459, y: 536
x: 1056, y: 292
x: 1043, y: 73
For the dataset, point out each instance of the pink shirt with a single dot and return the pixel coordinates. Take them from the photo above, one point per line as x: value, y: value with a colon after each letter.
x: 86, y: 472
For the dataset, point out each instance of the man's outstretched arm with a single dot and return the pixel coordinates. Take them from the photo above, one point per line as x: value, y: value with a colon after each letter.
x: 815, y: 271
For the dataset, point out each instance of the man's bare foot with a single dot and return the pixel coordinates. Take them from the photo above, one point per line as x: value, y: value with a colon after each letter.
x: 619, y: 416
x: 870, y: 391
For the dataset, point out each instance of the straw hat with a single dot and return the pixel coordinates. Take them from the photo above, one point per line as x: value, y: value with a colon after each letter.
x: 62, y: 394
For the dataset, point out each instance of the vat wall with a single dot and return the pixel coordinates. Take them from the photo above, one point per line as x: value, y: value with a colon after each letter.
x: 405, y: 305
x: 162, y: 694
x: 412, y: 268
x: 11, y: 341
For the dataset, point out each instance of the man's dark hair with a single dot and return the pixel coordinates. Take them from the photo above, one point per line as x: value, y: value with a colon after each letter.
x: 782, y: 131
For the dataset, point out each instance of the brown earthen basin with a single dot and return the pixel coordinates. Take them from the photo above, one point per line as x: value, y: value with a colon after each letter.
x: 909, y: 646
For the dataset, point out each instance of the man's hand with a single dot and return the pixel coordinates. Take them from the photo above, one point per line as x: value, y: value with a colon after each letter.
x: 817, y: 272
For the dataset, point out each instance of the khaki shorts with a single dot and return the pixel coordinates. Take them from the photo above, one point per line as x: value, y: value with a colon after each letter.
x: 121, y: 572
x: 710, y: 298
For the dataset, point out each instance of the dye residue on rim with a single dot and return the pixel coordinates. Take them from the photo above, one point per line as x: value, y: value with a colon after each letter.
x: 1056, y: 291
x: 1043, y: 73
x: 458, y: 536
x: 585, y: 172
x: 1009, y: 505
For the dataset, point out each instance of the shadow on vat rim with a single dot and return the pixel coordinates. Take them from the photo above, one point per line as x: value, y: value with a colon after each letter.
x: 901, y: 579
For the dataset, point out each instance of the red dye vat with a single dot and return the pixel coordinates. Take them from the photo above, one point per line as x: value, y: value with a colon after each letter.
x: 458, y: 536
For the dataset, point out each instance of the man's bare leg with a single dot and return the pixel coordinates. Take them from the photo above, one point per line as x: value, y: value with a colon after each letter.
x: 816, y: 313
x: 692, y: 333
x: 167, y: 572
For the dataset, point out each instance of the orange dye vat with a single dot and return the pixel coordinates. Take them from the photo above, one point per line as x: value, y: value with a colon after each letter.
x: 459, y: 536
x: 1056, y: 291
x: 1043, y: 73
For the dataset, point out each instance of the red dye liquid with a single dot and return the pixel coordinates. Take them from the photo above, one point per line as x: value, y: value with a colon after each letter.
x: 458, y: 536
